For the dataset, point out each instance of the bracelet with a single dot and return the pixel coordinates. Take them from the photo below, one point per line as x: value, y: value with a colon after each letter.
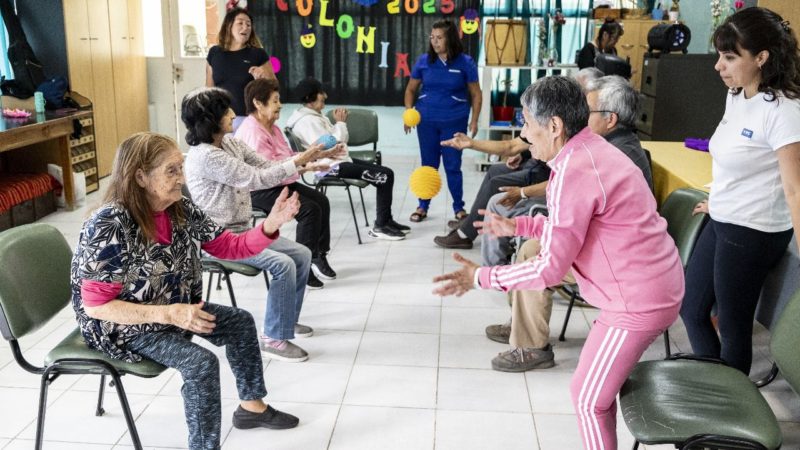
x: 522, y: 193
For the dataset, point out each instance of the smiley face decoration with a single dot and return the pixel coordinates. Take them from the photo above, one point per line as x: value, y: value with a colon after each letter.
x: 470, y: 22
x: 307, y: 37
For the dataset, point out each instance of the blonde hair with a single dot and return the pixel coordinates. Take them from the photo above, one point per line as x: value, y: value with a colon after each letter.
x: 145, y: 151
x: 225, y: 38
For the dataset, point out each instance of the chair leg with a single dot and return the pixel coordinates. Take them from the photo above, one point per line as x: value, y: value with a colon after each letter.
x: 210, y: 282
x: 353, y: 210
x: 126, y: 409
x: 230, y: 289
x: 101, y: 393
x: 768, y: 378
x: 46, y: 380
x: 266, y: 279
x: 561, y: 337
x: 667, y: 348
x: 363, y: 206
x: 219, y: 280
x: 635, y: 445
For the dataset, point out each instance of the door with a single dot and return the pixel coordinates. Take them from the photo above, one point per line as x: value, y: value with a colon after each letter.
x: 182, y: 68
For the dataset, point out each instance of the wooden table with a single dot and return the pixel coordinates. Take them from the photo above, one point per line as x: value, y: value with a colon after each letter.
x: 41, y: 139
x: 675, y: 166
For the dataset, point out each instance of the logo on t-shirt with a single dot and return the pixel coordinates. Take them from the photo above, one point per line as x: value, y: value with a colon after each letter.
x: 747, y: 133
x: 246, y: 61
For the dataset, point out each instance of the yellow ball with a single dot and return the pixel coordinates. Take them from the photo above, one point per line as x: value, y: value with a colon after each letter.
x: 411, y: 117
x: 425, y: 182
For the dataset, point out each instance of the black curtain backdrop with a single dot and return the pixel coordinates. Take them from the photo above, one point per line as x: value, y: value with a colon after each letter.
x: 350, y: 77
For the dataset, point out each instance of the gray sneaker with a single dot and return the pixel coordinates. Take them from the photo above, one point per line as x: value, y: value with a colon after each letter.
x: 500, y: 332
x: 302, y: 331
x: 290, y: 353
x: 524, y: 359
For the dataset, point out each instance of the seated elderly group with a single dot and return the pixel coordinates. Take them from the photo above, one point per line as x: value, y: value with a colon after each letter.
x: 137, y: 277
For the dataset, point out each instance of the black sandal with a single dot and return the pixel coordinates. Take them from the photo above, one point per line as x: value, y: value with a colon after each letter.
x: 418, y: 216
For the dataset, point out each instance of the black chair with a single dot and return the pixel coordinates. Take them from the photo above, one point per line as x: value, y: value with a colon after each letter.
x: 362, y: 128
x: 34, y: 286
x: 322, y: 184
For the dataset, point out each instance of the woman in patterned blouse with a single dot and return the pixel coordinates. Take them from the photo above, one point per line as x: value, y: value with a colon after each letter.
x: 137, y: 286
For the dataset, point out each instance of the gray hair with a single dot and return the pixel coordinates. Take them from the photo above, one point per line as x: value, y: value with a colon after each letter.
x: 587, y: 75
x: 557, y: 96
x: 615, y: 94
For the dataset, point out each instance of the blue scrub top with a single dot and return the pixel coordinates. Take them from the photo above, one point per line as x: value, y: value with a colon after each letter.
x: 444, y: 95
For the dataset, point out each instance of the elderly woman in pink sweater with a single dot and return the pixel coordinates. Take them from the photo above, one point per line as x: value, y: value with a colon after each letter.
x: 603, y: 224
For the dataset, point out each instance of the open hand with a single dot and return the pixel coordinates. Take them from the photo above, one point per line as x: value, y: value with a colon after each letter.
x: 191, y: 317
x: 340, y: 114
x: 339, y: 151
x: 284, y: 210
x: 459, y: 282
x: 312, y: 153
x: 495, y: 225
x: 459, y: 141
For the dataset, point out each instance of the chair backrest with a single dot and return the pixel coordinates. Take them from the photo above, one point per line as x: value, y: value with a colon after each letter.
x: 785, y: 340
x: 362, y: 126
x: 684, y: 227
x: 34, y: 277
x: 294, y: 141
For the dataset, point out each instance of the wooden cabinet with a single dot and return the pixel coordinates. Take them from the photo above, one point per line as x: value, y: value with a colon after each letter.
x: 632, y: 44
x: 788, y: 9
x: 106, y: 64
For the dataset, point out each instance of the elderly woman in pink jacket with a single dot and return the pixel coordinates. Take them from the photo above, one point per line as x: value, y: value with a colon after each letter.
x: 603, y: 224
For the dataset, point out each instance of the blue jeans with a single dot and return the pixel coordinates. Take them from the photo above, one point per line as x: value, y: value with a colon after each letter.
x: 430, y: 135
x: 289, y: 263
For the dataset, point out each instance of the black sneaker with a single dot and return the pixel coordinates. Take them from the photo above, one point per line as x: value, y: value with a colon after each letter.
x: 313, y: 282
x: 405, y: 229
x: 387, y: 233
x: 271, y: 418
x: 322, y: 269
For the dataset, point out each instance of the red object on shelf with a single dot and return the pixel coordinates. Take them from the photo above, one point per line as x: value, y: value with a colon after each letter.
x: 502, y: 113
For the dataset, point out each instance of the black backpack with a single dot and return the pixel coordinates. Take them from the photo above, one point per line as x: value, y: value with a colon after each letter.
x: 28, y: 71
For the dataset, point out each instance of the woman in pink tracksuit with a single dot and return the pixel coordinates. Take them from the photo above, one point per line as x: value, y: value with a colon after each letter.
x: 603, y: 224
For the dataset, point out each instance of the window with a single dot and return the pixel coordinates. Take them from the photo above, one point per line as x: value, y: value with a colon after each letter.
x: 5, y: 67
x: 154, y: 35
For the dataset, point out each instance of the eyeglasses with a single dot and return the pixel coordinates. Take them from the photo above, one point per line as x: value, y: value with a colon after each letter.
x: 601, y: 111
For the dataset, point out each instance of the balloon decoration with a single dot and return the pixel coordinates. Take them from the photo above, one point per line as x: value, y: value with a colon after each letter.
x: 411, y: 117
x: 425, y: 182
x: 327, y: 140
x: 275, y: 63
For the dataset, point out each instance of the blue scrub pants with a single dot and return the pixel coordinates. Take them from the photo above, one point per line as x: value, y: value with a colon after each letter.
x: 430, y: 134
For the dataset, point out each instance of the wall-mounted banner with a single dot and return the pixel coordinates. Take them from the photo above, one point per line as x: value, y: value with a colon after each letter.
x: 361, y: 50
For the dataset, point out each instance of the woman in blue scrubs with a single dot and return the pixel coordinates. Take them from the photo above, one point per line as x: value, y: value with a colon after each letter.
x: 449, y: 80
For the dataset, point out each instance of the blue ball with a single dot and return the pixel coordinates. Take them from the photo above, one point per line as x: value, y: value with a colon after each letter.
x: 327, y: 140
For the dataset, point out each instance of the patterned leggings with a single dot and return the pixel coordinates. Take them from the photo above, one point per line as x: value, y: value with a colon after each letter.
x: 199, y: 367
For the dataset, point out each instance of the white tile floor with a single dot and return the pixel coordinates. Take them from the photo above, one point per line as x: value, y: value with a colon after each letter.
x: 391, y: 365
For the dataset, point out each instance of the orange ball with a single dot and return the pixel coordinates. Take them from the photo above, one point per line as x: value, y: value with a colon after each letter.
x: 411, y: 117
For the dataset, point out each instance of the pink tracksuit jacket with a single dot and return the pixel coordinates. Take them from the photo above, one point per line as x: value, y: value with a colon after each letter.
x: 603, y: 223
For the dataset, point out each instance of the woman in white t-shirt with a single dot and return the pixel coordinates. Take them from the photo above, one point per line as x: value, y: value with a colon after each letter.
x: 755, y: 195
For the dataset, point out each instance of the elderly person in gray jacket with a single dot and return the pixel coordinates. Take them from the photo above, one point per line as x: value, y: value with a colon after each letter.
x: 220, y: 172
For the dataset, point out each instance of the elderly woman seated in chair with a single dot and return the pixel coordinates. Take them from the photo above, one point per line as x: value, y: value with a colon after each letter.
x: 137, y: 285
x: 309, y: 124
x: 220, y: 172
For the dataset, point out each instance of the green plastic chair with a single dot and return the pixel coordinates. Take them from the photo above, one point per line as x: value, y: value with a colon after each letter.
x: 362, y: 128
x: 682, y: 226
x: 694, y: 402
x: 34, y: 286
